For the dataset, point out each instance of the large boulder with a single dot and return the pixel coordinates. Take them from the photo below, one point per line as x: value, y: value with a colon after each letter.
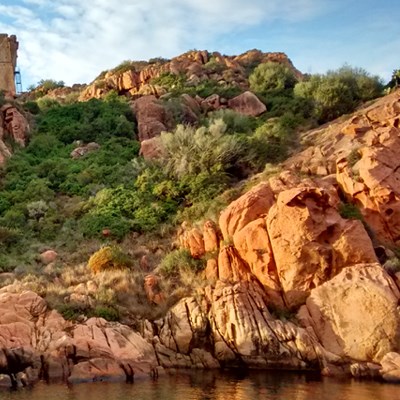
x: 311, y: 242
x: 35, y: 340
x: 152, y: 117
x: 247, y: 103
x: 81, y: 151
x: 253, y: 204
x: 150, y: 148
x: 355, y: 315
x: 390, y: 371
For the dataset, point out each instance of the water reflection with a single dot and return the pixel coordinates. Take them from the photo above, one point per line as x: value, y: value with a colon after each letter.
x: 202, y: 385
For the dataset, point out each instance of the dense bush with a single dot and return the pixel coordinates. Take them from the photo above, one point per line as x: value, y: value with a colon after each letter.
x: 95, y: 120
x: 338, y: 92
x: 271, y: 78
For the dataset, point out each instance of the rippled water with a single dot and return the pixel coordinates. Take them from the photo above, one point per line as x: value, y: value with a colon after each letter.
x: 211, y: 386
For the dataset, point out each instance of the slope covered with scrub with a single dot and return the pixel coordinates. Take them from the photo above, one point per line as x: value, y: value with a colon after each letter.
x: 216, y: 205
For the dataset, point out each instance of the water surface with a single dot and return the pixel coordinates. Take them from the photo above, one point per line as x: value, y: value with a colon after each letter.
x: 216, y: 386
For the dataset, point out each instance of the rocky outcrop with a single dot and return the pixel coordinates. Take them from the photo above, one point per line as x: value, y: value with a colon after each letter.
x: 14, y: 126
x: 39, y: 343
x: 231, y: 325
x: 153, y: 290
x: 254, y: 247
x: 361, y: 152
x: 196, y: 66
x: 192, y: 240
x: 83, y: 150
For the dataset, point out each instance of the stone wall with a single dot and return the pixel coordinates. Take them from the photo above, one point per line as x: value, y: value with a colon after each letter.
x: 8, y: 61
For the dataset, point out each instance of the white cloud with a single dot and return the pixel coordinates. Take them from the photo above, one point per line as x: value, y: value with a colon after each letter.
x: 73, y: 40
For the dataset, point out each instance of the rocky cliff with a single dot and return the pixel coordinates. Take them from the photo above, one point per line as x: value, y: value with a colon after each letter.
x: 295, y: 277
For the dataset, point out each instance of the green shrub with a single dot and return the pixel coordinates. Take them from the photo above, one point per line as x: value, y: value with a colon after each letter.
x: 107, y: 312
x: 190, y: 151
x: 208, y: 87
x: 13, y: 218
x: 338, y: 92
x: 109, y: 258
x: 271, y: 78
x: 128, y: 65
x: 37, y: 209
x: 350, y: 211
x: 31, y: 107
x: 2, y: 98
x: 91, y: 121
x: 92, y: 225
x: 71, y: 311
x: 272, y: 140
x: 235, y: 122
x: 353, y: 158
x: 46, y: 103
x: 173, y: 83
x: 180, y: 260
x: 9, y: 236
x: 158, y: 60
x: 49, y: 84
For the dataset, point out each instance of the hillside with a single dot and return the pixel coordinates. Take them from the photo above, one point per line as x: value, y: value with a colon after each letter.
x: 227, y: 211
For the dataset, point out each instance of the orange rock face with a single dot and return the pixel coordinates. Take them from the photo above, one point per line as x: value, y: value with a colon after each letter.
x: 195, y: 65
x: 311, y: 243
x: 245, y: 209
x: 211, y: 236
x: 253, y: 245
x: 192, y: 240
x: 231, y: 267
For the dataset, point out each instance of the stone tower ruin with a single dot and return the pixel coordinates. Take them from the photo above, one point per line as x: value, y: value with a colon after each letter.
x: 8, y: 61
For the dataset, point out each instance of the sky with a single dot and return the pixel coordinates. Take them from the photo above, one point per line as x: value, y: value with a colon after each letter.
x: 74, y: 40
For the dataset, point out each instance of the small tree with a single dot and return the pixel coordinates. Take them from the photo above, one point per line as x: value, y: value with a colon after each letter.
x: 271, y: 77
